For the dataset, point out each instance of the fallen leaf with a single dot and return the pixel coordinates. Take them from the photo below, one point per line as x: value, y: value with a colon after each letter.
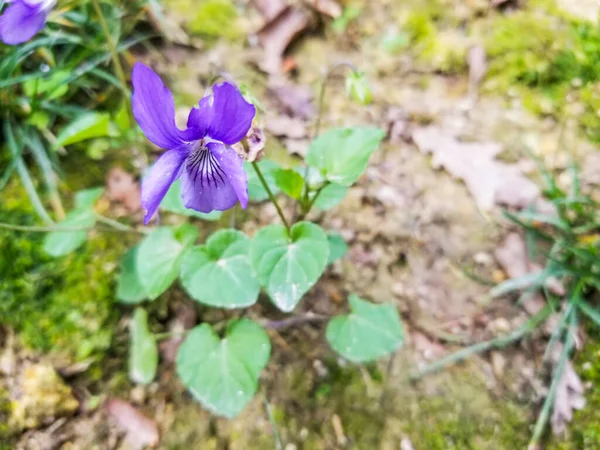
x: 569, y: 397
x: 140, y: 431
x: 293, y: 100
x: 490, y: 182
x: 121, y: 187
x: 269, y: 8
x: 277, y: 34
x: 284, y: 126
x: 512, y: 255
x: 476, y: 60
x: 330, y: 8
x: 398, y: 120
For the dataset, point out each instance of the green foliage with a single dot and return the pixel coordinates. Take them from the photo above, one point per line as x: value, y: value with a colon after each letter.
x: 219, y: 273
x: 158, y: 261
x: 84, y: 127
x: 60, y: 243
x: 143, y: 352
x: 337, y: 247
x: 330, y: 196
x: 289, y: 264
x: 342, y: 154
x: 369, y: 332
x: 349, y: 14
x: 129, y: 287
x: 358, y: 89
x: 289, y: 181
x: 223, y: 373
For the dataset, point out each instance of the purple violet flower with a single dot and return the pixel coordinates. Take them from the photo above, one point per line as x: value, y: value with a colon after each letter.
x: 212, y: 174
x: 23, y: 19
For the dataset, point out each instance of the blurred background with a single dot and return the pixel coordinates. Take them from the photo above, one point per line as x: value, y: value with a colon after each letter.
x: 489, y: 173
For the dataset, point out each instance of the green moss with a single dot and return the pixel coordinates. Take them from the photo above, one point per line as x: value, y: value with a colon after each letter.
x: 556, y: 61
x: 208, y: 18
x: 61, y: 305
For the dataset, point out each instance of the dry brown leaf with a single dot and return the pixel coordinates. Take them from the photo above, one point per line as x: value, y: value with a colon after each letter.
x: 512, y: 256
x: 330, y: 8
x: 269, y: 8
x: 277, y: 34
x: 489, y: 181
x: 140, y: 431
x: 569, y: 397
x: 293, y: 100
x: 284, y: 126
x: 121, y: 187
x: 476, y: 60
x: 251, y: 148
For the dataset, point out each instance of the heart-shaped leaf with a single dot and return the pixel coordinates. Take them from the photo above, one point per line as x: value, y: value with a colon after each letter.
x: 143, y: 352
x: 129, y: 288
x: 369, y: 332
x: 330, y: 196
x: 158, y: 261
x: 342, y: 154
x: 288, y: 265
x: 337, y: 247
x: 76, y: 224
x: 223, y: 373
x: 219, y: 273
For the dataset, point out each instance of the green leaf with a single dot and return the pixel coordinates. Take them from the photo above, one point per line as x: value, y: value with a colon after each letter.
x: 87, y: 198
x: 289, y: 181
x: 369, y: 332
x: 256, y: 191
x: 223, y: 374
x: 53, y: 86
x: 331, y: 196
x: 60, y: 243
x: 129, y: 288
x: 219, y: 273
x: 337, y: 247
x: 186, y: 233
x: 143, y: 352
x: 342, y: 154
x: 158, y: 261
x: 121, y: 117
x: 358, y: 89
x: 174, y: 203
x: 86, y: 126
x: 289, y: 265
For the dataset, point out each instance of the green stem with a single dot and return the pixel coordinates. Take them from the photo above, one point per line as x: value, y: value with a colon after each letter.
x: 276, y: 437
x: 111, y: 45
x: 117, y: 225
x: 169, y: 334
x: 481, y: 347
x: 312, y: 201
x: 542, y: 420
x: 270, y: 194
x: 326, y: 78
x: 48, y: 229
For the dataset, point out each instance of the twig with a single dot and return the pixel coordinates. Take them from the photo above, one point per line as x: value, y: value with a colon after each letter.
x: 481, y: 347
x: 279, y: 324
x: 270, y: 194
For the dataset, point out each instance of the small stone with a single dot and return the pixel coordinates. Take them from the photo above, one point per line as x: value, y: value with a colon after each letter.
x: 42, y: 396
x: 498, y: 364
x: 138, y: 395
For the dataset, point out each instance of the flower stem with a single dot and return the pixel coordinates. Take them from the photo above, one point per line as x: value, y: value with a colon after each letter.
x: 326, y: 78
x: 307, y: 318
x: 111, y: 45
x: 117, y: 225
x: 270, y: 194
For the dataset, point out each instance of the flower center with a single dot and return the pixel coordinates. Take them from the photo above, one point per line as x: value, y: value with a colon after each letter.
x: 203, y: 167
